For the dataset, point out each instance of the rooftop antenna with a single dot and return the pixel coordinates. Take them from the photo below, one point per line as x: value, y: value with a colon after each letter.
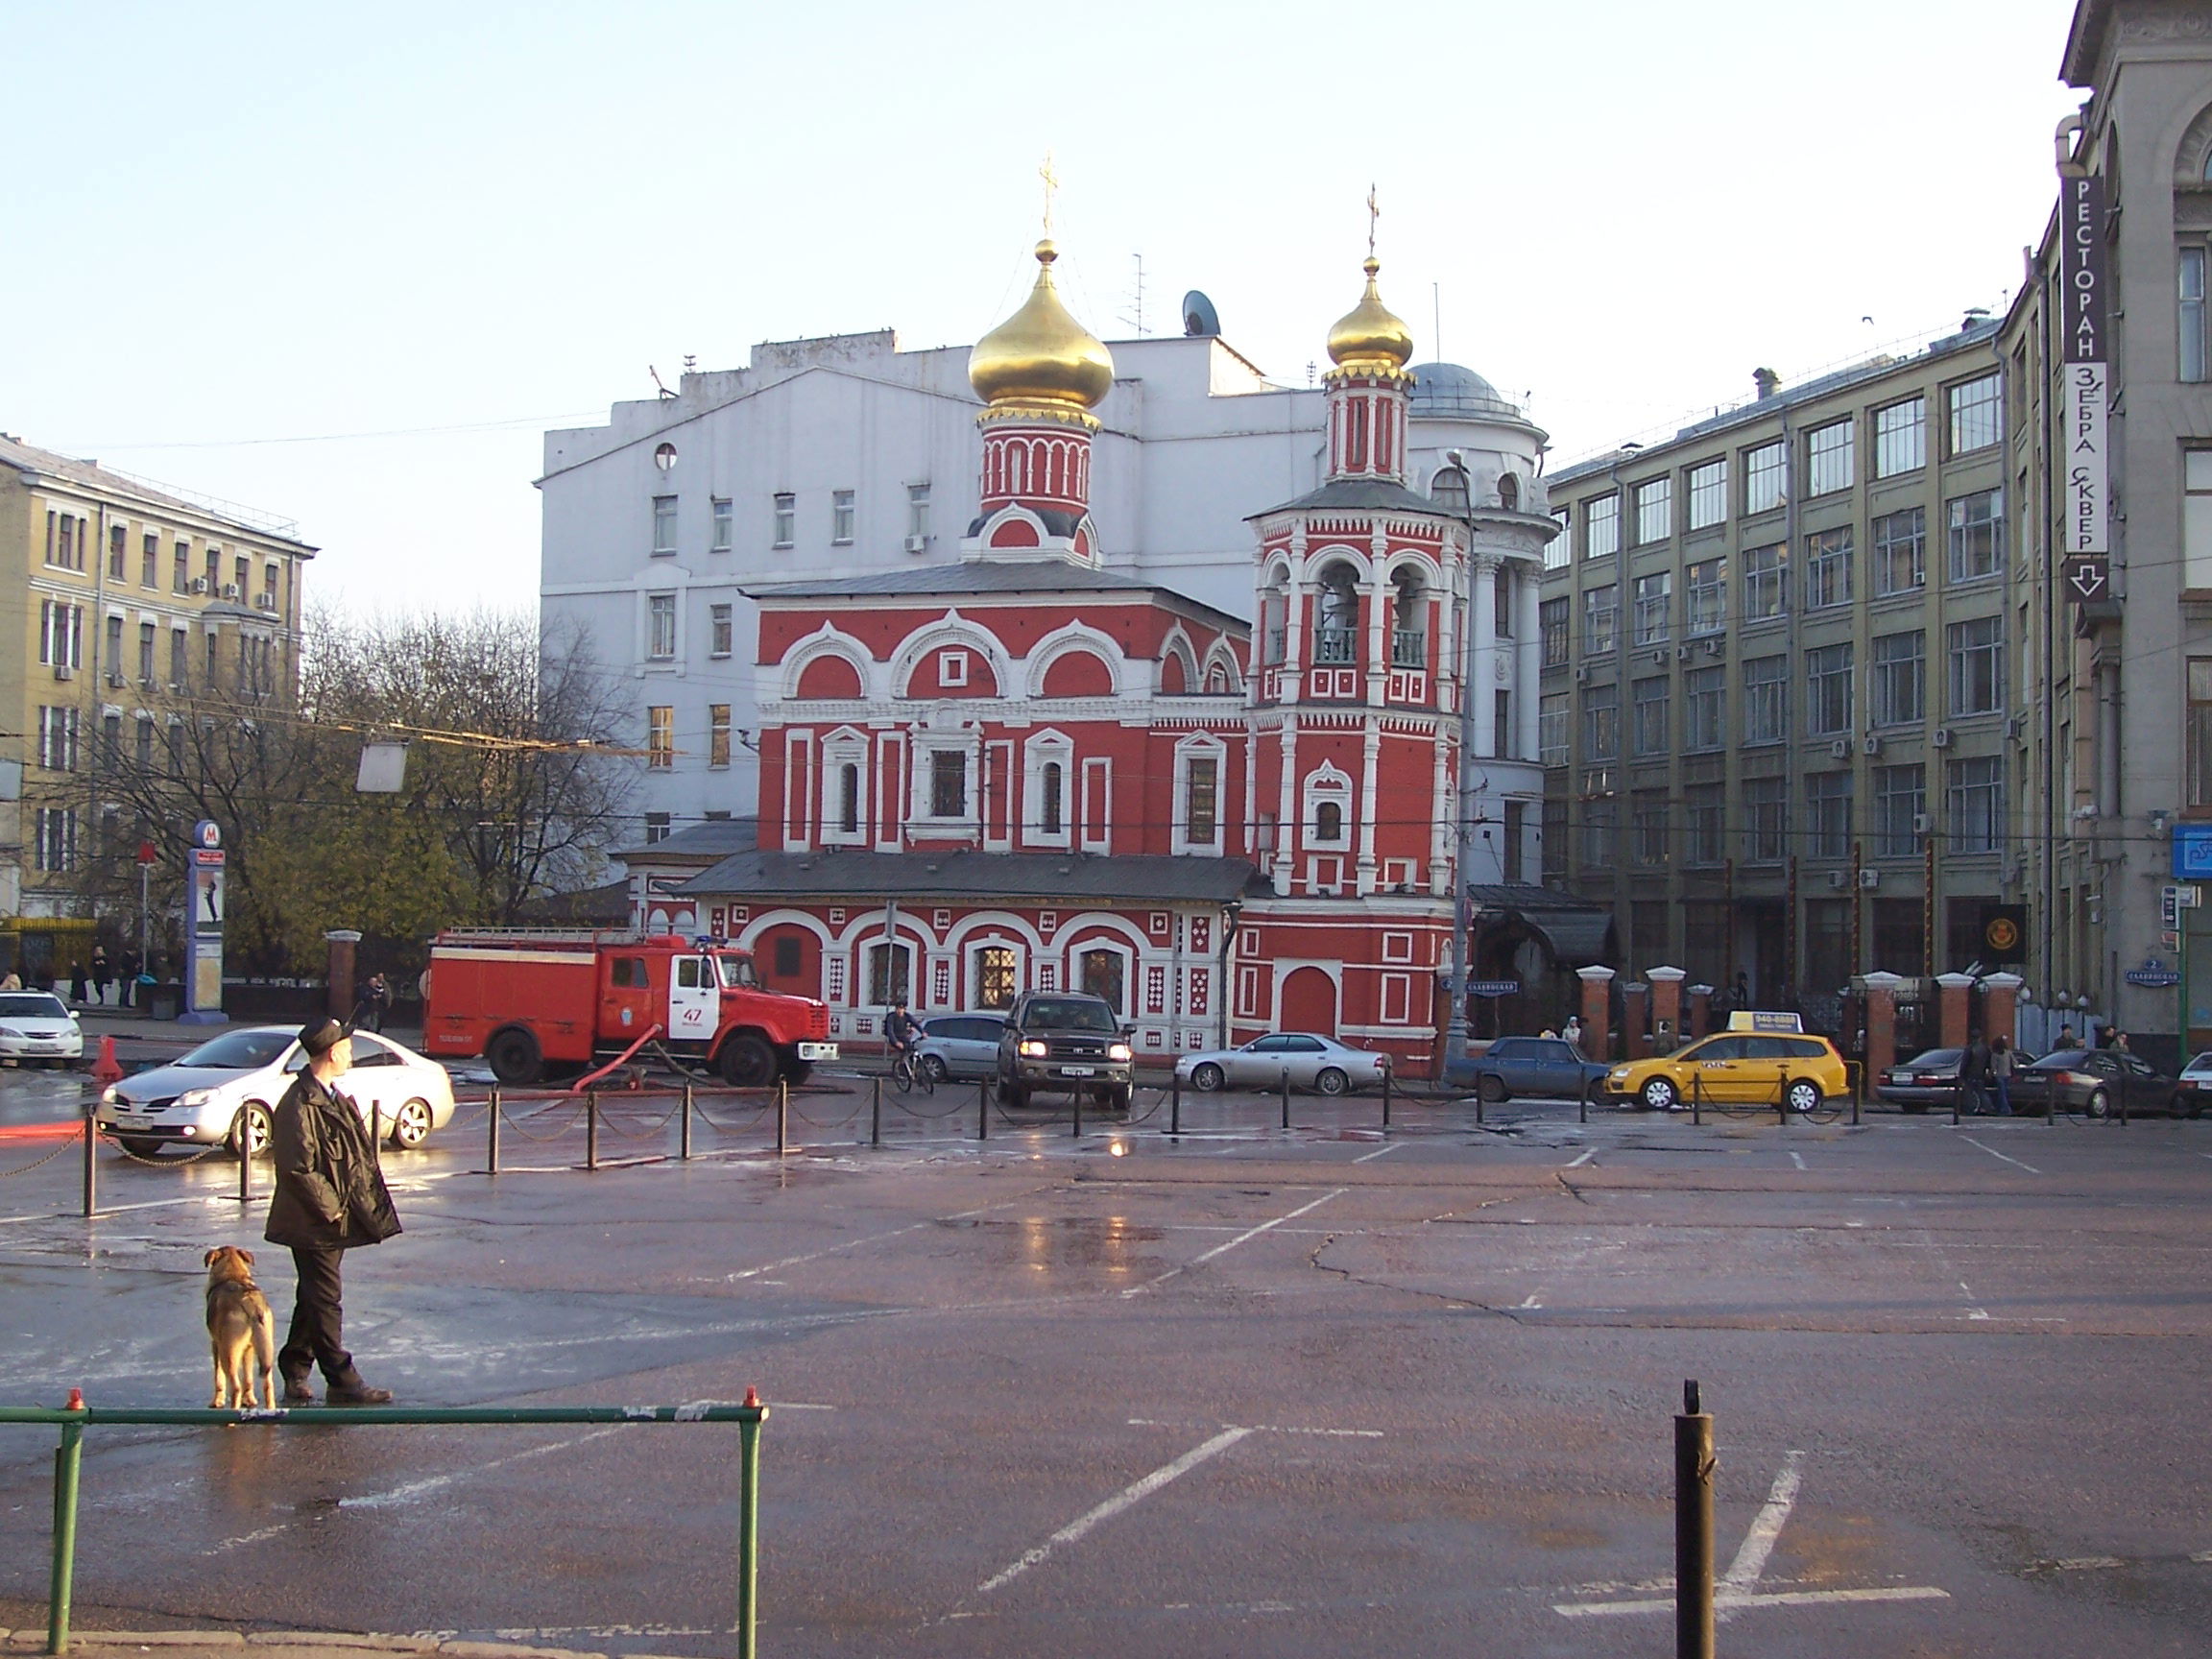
x: 1138, y: 320
x: 1436, y: 317
x: 1373, y: 213
x: 659, y: 383
x: 1051, y: 183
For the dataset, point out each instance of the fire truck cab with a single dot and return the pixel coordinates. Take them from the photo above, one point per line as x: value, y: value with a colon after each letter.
x: 532, y: 1000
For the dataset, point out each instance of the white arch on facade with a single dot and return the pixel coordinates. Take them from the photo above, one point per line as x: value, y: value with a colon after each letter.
x: 1062, y: 641
x: 1178, y: 645
x: 826, y: 641
x: 949, y: 628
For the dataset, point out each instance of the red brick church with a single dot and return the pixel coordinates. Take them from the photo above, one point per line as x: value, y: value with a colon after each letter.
x: 1025, y: 769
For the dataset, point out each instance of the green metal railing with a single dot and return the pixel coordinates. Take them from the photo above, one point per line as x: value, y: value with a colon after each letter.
x: 72, y: 1420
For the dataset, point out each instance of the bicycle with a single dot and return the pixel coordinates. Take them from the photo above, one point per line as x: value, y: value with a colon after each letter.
x: 907, y: 1074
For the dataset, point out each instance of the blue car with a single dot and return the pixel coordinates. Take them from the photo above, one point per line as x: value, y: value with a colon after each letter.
x: 1550, y: 1066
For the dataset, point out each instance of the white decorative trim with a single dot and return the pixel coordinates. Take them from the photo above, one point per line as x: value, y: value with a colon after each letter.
x: 826, y: 641
x: 1064, y: 642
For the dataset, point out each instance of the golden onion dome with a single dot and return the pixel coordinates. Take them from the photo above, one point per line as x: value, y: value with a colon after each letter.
x: 1040, y: 355
x: 1369, y: 337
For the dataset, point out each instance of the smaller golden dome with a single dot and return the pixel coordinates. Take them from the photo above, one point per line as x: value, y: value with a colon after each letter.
x: 1040, y: 355
x: 1368, y: 338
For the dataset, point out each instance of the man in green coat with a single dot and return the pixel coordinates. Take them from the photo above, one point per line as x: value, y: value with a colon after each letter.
x: 330, y: 1196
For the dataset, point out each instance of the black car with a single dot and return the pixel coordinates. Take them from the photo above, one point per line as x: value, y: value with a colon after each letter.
x: 1929, y: 1079
x: 2095, y: 1081
x: 1546, y: 1066
x: 1064, y: 1040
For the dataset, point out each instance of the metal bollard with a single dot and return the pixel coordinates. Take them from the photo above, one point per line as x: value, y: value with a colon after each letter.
x: 1584, y: 1101
x: 684, y: 1132
x: 244, y: 1130
x: 1286, y: 1096
x: 984, y: 1110
x: 782, y: 1117
x: 1955, y: 1106
x: 1782, y: 1099
x: 1693, y: 1466
x: 60, y: 1587
x: 1858, y: 1091
x: 2050, y: 1107
x: 875, y: 1114
x: 1077, y: 1096
x: 492, y: 1131
x: 592, y: 1130
x: 1696, y: 1100
x: 1385, y: 1097
x: 91, y: 1162
x: 1175, y: 1101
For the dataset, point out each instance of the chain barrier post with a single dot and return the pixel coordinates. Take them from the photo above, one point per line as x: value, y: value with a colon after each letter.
x: 782, y: 1117
x: 592, y: 1130
x: 1583, y: 1100
x: 683, y: 1131
x: 1954, y: 1094
x: 2050, y: 1105
x: 67, y: 1457
x: 1693, y: 1466
x: 1858, y: 1074
x: 1385, y: 1093
x: 1175, y: 1101
x: 1478, y: 1108
x: 1781, y: 1100
x: 876, y: 1113
x: 1077, y: 1096
x: 749, y: 1528
x: 91, y: 1162
x: 491, y: 1132
x: 1286, y: 1096
x: 982, y: 1111
x: 243, y: 1129
x: 1697, y: 1099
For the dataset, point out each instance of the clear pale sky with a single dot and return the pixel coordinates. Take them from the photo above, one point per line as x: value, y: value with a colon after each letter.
x: 346, y: 264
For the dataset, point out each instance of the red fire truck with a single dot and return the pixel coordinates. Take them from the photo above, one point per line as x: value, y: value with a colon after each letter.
x: 530, y: 1000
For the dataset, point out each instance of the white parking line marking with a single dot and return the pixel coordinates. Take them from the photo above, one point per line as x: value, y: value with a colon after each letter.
x: 1994, y: 1153
x: 1797, y: 1160
x: 745, y: 1273
x: 1531, y: 1305
x: 1766, y: 1527
x: 1972, y: 1313
x: 1379, y: 1152
x: 209, y: 1200
x: 1133, y: 1493
x: 1244, y: 1238
x: 1588, y: 1153
x: 1764, y: 1599
x: 1265, y: 1429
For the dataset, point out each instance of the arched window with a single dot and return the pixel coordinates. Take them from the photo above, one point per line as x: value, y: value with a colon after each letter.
x: 1509, y: 492
x: 1448, y: 490
x: 1274, y: 622
x: 1329, y: 824
x: 1337, y: 641
x: 1356, y: 440
x: 1050, y: 817
x: 848, y: 799
x: 1410, y: 620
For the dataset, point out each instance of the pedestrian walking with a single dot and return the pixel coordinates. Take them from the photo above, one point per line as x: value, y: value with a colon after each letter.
x: 375, y: 999
x: 1974, y: 1076
x: 77, y: 986
x: 2119, y: 1041
x: 102, y: 975
x: 2001, y: 1074
x: 2066, y: 1036
x: 330, y: 1197
x: 1573, y: 1029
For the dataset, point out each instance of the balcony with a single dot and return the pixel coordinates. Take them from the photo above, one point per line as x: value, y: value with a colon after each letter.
x: 1336, y: 647
x: 1409, y: 648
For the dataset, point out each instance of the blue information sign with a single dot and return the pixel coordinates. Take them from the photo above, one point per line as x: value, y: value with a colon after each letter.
x: 2193, y: 851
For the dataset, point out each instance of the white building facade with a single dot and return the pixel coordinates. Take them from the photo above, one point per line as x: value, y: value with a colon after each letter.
x: 845, y: 457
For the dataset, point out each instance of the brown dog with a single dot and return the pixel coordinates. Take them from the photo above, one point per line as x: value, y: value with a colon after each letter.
x: 240, y: 1330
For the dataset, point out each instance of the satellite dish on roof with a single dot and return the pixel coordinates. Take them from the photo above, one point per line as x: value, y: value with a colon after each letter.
x: 1198, y: 315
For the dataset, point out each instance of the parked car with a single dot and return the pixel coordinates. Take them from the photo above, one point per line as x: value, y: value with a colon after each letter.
x: 2095, y: 1081
x: 960, y: 1045
x: 1064, y: 1040
x: 38, y: 1029
x: 201, y: 1100
x: 1548, y: 1066
x: 2193, y: 1088
x: 1926, y: 1080
x: 1314, y: 1062
x: 1735, y: 1069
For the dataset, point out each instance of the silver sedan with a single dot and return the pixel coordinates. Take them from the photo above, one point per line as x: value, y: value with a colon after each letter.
x: 1312, y: 1062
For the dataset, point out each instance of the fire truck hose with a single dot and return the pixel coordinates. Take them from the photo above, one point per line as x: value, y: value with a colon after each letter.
x: 617, y: 1063
x: 677, y: 1065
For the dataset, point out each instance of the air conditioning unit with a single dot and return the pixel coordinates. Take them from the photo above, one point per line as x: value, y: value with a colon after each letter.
x: 916, y: 544
x: 2016, y: 727
x: 1711, y: 647
x: 1681, y: 653
x: 1659, y: 656
x: 266, y: 601
x: 1838, y: 880
x: 1581, y: 675
x: 115, y: 679
x: 1869, y: 879
x: 1841, y: 748
x: 1922, y: 823
x: 1870, y: 745
x: 231, y: 591
x: 62, y: 671
x: 199, y: 584
x: 1943, y: 737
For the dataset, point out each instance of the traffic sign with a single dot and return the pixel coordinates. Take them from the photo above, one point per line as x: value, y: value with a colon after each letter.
x: 147, y: 854
x: 2192, y: 852
x: 2088, y: 579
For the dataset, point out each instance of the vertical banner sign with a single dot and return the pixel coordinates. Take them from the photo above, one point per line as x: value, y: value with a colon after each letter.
x: 203, y: 926
x: 2083, y: 464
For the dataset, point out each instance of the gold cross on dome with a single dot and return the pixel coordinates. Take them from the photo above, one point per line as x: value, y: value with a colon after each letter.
x: 1373, y: 213
x: 1051, y: 183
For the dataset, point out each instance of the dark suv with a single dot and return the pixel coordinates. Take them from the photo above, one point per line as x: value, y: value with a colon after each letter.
x: 1064, y: 1040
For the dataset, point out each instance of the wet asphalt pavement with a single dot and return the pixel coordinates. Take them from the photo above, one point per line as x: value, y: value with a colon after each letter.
x: 1247, y: 1392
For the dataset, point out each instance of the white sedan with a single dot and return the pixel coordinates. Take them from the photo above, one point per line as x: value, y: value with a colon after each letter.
x: 37, y: 1028
x: 1314, y: 1062
x: 237, y: 1078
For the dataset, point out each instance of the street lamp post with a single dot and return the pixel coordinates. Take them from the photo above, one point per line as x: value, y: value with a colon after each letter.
x: 1455, y: 1031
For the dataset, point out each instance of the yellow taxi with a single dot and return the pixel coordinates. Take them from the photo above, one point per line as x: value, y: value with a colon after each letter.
x: 1761, y: 1060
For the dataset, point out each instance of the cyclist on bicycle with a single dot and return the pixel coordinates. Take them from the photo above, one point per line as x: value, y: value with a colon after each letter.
x: 901, y: 1031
